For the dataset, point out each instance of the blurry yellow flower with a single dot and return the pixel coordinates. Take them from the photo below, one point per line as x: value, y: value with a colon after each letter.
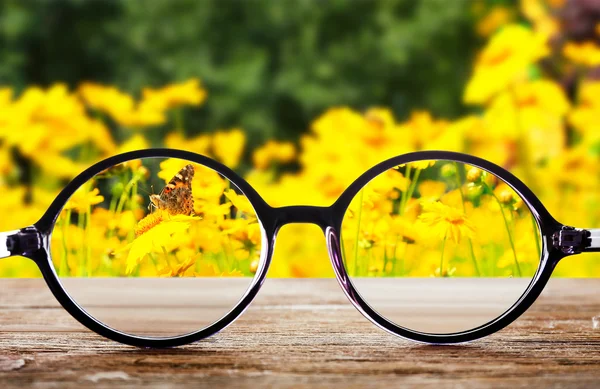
x: 153, y: 233
x: 495, y: 19
x: 83, y: 198
x: 120, y: 106
x: 421, y: 165
x: 538, y: 12
x: 135, y: 142
x: 445, y: 221
x: 186, y: 93
x: 199, y: 144
x: 544, y: 95
x: 532, y: 114
x: 273, y: 151
x: 585, y: 115
x: 431, y: 189
x: 6, y: 164
x: 424, y: 130
x: 6, y: 95
x: 584, y: 53
x: 141, y: 117
x: 228, y: 146
x: 106, y: 99
x: 504, y: 60
x: 49, y: 121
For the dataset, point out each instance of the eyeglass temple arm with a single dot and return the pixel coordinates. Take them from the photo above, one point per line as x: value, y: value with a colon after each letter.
x: 593, y: 240
x: 20, y: 242
x: 577, y: 240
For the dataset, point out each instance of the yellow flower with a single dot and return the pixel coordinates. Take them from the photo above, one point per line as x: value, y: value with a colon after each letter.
x: 240, y: 201
x: 584, y: 53
x: 273, y: 151
x: 83, y: 198
x: 504, y: 60
x: 431, y: 189
x: 142, y: 116
x: 186, y: 93
x: 6, y: 95
x: 538, y: 12
x: 120, y: 106
x: 199, y: 144
x: 154, y: 233
x: 445, y: 221
x: 135, y: 142
x: 179, y: 270
x: 495, y: 19
x: 585, y: 115
x: 228, y: 146
x: 421, y: 165
x: 211, y: 271
x: 50, y: 121
x: 106, y: 99
x: 533, y: 114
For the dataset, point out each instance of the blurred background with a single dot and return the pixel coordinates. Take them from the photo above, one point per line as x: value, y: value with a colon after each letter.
x: 301, y: 97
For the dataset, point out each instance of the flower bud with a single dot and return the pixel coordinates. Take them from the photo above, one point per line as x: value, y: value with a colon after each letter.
x: 474, y: 191
x: 505, y: 197
x: 473, y: 174
x: 448, y: 170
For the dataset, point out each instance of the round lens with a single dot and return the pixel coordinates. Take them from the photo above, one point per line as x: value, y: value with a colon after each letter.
x: 440, y: 246
x: 157, y: 247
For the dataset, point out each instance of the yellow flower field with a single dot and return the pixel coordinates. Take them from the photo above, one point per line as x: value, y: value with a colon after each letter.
x: 428, y: 218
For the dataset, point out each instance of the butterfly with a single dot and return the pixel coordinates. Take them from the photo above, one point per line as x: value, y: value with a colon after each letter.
x: 176, y: 197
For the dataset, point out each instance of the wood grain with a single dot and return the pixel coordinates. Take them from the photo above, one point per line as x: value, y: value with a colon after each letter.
x: 303, y: 333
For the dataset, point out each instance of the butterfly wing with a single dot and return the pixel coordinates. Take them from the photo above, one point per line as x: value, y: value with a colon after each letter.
x: 176, y: 196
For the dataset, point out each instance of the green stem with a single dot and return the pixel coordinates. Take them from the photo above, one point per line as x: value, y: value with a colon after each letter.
x: 178, y: 118
x: 385, y: 256
x: 88, y: 251
x: 232, y: 260
x: 413, y: 186
x: 405, y: 192
x: 81, y: 251
x: 360, y: 199
x: 167, y: 257
x: 442, y: 256
x: 128, y: 189
x: 510, y: 239
x: 64, y: 270
x: 395, y: 257
x: 462, y: 198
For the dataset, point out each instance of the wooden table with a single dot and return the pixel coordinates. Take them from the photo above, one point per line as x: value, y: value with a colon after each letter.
x: 303, y: 333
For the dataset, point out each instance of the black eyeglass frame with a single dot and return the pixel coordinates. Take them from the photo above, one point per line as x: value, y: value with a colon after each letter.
x: 558, y: 241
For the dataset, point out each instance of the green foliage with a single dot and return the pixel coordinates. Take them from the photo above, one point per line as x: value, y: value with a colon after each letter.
x: 269, y: 66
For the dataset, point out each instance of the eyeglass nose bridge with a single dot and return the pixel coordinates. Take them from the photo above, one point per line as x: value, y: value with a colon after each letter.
x: 321, y: 216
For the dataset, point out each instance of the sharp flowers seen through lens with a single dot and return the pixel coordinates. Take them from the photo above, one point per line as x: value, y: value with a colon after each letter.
x: 143, y: 226
x: 440, y: 246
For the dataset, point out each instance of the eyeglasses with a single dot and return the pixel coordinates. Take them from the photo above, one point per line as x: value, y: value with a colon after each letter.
x: 432, y: 246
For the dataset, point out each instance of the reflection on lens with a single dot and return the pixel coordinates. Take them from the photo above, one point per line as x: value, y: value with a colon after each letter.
x: 157, y: 247
x: 440, y: 246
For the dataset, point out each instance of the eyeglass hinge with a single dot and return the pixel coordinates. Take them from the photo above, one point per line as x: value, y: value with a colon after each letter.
x: 570, y: 240
x: 26, y: 240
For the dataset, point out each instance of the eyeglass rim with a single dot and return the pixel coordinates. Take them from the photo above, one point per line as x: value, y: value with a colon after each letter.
x: 329, y: 219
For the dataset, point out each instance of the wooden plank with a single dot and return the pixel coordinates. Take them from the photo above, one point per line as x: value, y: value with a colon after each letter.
x: 303, y: 333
